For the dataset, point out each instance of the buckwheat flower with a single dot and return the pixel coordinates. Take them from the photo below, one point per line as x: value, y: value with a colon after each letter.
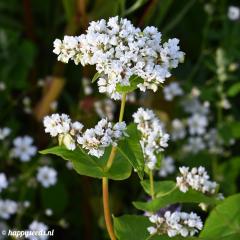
x: 24, y: 148
x: 47, y: 176
x: 233, y: 13
x: 172, y: 90
x: 36, y: 226
x: 194, y: 145
x: 213, y: 141
x: 197, y: 124
x: 104, y: 134
x: 7, y: 208
x: 4, y: 132
x: 166, y: 167
x: 176, y: 223
x: 119, y: 50
x: 178, y: 130
x: 153, y: 140
x: 193, y: 105
x: 3, y: 181
x: 197, y: 179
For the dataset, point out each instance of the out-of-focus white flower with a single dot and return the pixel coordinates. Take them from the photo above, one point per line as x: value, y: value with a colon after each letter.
x: 167, y: 166
x: 233, y: 13
x: 194, y: 145
x: 197, y: 179
x: 172, y: 90
x: 7, y: 208
x: 197, y: 124
x: 3, y: 181
x: 2, y: 86
x: 47, y: 176
x: 193, y: 105
x: 153, y: 140
x: 49, y: 212
x: 23, y: 148
x: 36, y: 226
x: 4, y: 132
x: 178, y: 130
x: 176, y: 223
x: 225, y: 104
x: 87, y: 86
x: 54, y: 105
x: 104, y: 134
x: 119, y: 51
x: 213, y: 141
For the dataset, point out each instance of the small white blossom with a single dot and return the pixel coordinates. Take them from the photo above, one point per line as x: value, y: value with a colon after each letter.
x: 176, y: 223
x: 2, y: 86
x: 47, y: 176
x: 172, y: 90
x: 3, y: 181
x: 38, y: 227
x: 105, y: 108
x: 197, y: 124
x: 197, y: 179
x: 233, y: 13
x: 194, y: 145
x: 23, y: 148
x: 4, y: 132
x: 167, y: 166
x: 7, y: 208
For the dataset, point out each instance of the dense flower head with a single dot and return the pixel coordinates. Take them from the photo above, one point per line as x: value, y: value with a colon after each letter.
x: 24, y: 148
x: 37, y: 226
x: 176, y: 223
x: 94, y: 140
x: 120, y: 50
x: 154, y: 139
x: 197, y: 179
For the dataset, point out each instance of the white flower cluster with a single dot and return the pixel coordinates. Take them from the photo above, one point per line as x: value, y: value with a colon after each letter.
x: 95, y: 140
x: 104, y: 134
x: 3, y: 181
x: 197, y: 179
x: 178, y: 130
x: 7, y: 208
x: 233, y: 13
x: 120, y: 50
x: 36, y: 226
x: 23, y: 148
x: 176, y: 223
x: 172, y: 90
x: 154, y: 139
x: 47, y: 176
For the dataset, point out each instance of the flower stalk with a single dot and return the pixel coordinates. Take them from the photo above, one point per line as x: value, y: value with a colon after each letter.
x: 105, y: 192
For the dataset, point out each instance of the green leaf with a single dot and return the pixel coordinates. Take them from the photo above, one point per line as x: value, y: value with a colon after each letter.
x: 173, y: 197
x: 224, y: 220
x: 161, y: 188
x: 130, y: 147
x: 87, y: 165
x: 134, y: 81
x: 234, y: 90
x: 96, y: 76
x: 134, y: 227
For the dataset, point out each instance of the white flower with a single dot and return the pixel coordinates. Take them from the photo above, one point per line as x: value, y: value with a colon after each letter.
x: 7, y: 208
x: 4, y: 132
x: 119, y: 50
x: 171, y: 91
x: 178, y: 130
x: 3, y: 182
x: 23, y: 148
x: 194, y: 145
x: 213, y: 141
x: 47, y: 176
x: 104, y: 134
x: 36, y: 226
x: 166, y: 167
x: 176, y: 223
x: 86, y: 86
x: 197, y: 179
x: 105, y: 108
x: 197, y: 124
x: 2, y: 86
x: 154, y: 140
x: 233, y: 13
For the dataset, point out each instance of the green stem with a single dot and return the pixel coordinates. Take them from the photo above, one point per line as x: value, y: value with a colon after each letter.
x: 151, y: 184
x: 105, y: 192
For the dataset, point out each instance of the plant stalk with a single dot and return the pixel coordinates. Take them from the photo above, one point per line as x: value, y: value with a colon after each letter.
x: 105, y: 192
x: 151, y: 184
